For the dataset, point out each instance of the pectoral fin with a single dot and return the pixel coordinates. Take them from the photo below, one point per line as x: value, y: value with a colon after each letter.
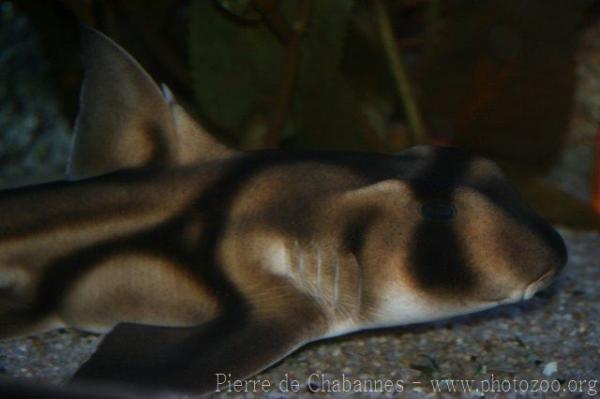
x: 189, y: 358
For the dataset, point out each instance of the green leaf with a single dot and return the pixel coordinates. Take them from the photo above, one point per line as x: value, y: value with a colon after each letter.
x: 234, y: 65
x: 237, y: 66
x: 240, y: 8
x: 326, y: 111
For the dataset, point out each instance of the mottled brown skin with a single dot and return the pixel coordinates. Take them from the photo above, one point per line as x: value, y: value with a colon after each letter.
x: 197, y: 259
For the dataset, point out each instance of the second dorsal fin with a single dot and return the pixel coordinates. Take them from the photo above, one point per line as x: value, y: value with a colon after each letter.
x: 125, y: 121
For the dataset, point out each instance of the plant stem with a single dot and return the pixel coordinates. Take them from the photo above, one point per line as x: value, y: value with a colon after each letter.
x: 400, y: 77
x: 289, y: 72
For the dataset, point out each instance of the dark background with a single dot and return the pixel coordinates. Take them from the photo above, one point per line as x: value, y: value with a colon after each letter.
x: 497, y: 77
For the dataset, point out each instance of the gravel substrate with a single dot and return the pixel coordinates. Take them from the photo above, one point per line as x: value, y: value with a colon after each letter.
x: 554, y: 337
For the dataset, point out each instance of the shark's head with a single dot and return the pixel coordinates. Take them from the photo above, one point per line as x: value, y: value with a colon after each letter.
x: 454, y: 237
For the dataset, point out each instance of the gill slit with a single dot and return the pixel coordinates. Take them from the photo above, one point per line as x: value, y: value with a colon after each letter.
x: 300, y: 261
x: 336, y: 280
x: 318, y: 250
x: 359, y: 278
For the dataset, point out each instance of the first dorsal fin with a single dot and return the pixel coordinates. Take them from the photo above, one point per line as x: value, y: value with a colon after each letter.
x: 125, y: 121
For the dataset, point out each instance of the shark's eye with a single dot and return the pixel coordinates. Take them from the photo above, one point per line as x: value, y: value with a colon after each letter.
x: 438, y: 210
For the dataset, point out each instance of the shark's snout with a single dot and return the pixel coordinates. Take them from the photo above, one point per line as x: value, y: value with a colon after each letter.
x: 552, y: 256
x: 556, y: 261
x: 556, y: 245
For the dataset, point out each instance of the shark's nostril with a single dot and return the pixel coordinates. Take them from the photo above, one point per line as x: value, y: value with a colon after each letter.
x: 538, y: 284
